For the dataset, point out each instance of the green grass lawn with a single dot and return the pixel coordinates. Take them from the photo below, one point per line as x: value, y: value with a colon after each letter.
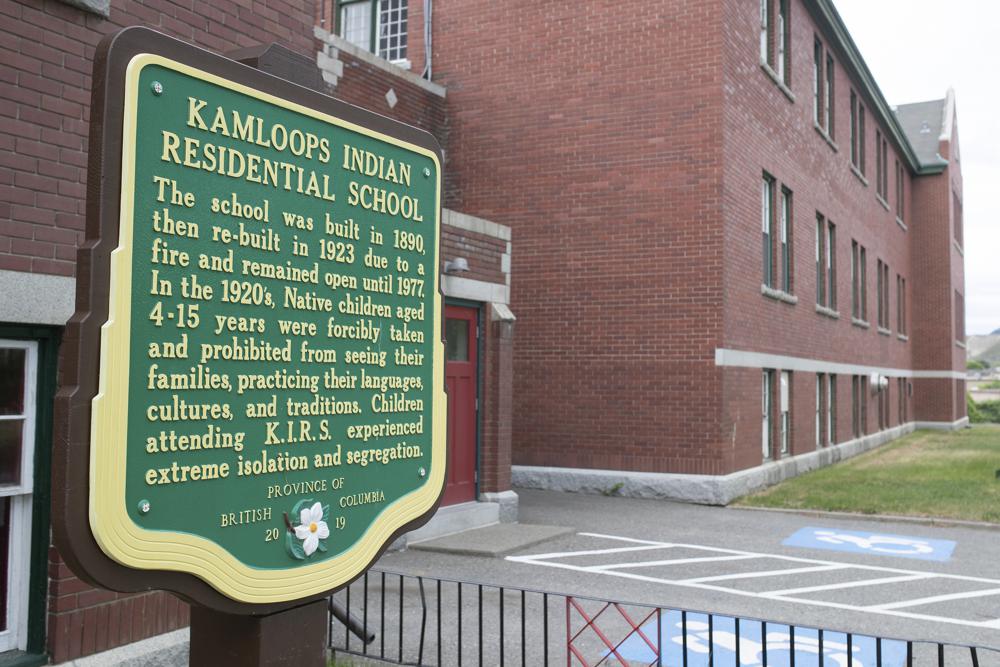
x: 927, y: 473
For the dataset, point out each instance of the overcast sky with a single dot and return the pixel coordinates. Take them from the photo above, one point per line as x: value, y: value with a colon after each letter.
x: 916, y: 49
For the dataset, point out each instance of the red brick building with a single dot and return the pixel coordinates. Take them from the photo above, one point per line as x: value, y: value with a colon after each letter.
x: 735, y: 261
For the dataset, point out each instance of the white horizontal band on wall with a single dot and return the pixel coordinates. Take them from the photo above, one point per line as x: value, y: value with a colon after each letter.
x: 744, y: 359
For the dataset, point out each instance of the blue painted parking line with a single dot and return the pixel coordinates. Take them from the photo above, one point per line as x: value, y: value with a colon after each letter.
x: 751, y: 637
x: 878, y: 544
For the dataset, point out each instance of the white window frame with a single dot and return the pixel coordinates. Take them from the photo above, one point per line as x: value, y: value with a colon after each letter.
x: 766, y: 391
x: 765, y: 20
x: 819, y: 413
x: 780, y: 39
x: 20, y: 495
x: 831, y: 390
x: 374, y: 10
x: 785, y: 384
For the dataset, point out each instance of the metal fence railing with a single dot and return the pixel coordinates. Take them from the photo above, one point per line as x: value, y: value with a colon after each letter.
x: 412, y: 620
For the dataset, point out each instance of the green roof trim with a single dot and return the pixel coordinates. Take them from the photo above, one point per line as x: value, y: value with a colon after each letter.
x: 830, y: 23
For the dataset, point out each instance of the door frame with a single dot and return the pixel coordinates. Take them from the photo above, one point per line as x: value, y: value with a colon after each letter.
x: 478, y: 307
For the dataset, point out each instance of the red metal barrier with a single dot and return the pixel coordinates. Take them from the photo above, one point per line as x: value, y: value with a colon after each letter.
x: 573, y: 640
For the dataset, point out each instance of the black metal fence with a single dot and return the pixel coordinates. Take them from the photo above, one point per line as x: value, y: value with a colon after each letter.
x: 412, y: 620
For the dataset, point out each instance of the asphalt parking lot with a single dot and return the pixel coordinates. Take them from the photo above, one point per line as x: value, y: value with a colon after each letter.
x: 893, y: 579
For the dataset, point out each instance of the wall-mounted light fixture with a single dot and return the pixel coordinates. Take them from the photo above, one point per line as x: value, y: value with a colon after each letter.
x: 457, y: 265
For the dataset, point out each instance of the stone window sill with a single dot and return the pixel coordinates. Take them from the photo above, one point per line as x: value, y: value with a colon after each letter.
x: 903, y: 337
x: 883, y: 331
x: 901, y: 224
x: 882, y: 201
x: 782, y: 86
x: 778, y: 295
x: 961, y: 344
x: 826, y: 137
x: 828, y: 312
x: 860, y: 323
x: 861, y: 177
x: 958, y: 248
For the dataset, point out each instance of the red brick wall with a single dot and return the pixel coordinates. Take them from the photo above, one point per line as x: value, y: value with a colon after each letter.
x: 366, y: 85
x: 766, y: 131
x: 44, y: 115
x: 85, y: 620
x: 610, y: 181
x: 45, y: 95
x: 483, y: 252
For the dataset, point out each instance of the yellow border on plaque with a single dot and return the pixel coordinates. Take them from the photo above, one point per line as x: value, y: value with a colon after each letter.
x: 115, y: 531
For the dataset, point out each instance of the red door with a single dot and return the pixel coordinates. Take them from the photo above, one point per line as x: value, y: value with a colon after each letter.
x: 460, y: 375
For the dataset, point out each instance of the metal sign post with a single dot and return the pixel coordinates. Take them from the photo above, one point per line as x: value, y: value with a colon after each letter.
x: 253, y: 405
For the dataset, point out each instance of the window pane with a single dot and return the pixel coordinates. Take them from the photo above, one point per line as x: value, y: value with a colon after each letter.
x: 10, y: 450
x: 392, y: 27
x: 456, y: 333
x: 12, y: 361
x: 356, y: 24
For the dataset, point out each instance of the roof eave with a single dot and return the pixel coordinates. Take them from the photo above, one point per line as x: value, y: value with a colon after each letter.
x: 829, y: 21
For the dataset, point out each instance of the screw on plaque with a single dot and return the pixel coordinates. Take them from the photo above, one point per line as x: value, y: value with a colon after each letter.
x: 421, y: 471
x: 427, y: 172
x: 157, y: 87
x: 144, y: 507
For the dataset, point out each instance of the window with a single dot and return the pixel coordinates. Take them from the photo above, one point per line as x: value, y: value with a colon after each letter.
x: 818, y: 84
x: 859, y: 283
x: 819, y: 410
x: 901, y: 304
x: 854, y: 128
x: 856, y: 281
x: 900, y: 191
x: 901, y: 387
x: 883, y: 407
x: 829, y: 105
x: 883, y: 295
x: 826, y: 269
x: 857, y: 133
x: 956, y: 213
x: 826, y: 409
x: 765, y: 32
x: 831, y: 409
x: 959, y: 317
x: 774, y: 43
x: 379, y: 26
x: 823, y: 95
x: 786, y: 240
x: 861, y: 138
x: 855, y: 407
x: 859, y: 405
x: 785, y: 405
x: 767, y: 388
x: 18, y: 373
x: 784, y: 68
x: 831, y: 266
x: 881, y: 166
x: 767, y: 223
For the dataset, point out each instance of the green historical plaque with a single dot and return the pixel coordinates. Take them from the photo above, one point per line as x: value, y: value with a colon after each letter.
x: 269, y: 407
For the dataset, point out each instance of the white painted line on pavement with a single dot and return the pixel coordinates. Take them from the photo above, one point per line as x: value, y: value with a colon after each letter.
x: 849, y: 584
x: 889, y: 609
x: 595, y: 552
x: 766, y: 573
x: 675, y: 561
x: 935, y: 598
x: 793, y: 559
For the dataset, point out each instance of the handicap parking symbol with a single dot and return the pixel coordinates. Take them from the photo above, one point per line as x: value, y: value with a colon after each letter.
x: 753, y: 640
x: 878, y: 544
